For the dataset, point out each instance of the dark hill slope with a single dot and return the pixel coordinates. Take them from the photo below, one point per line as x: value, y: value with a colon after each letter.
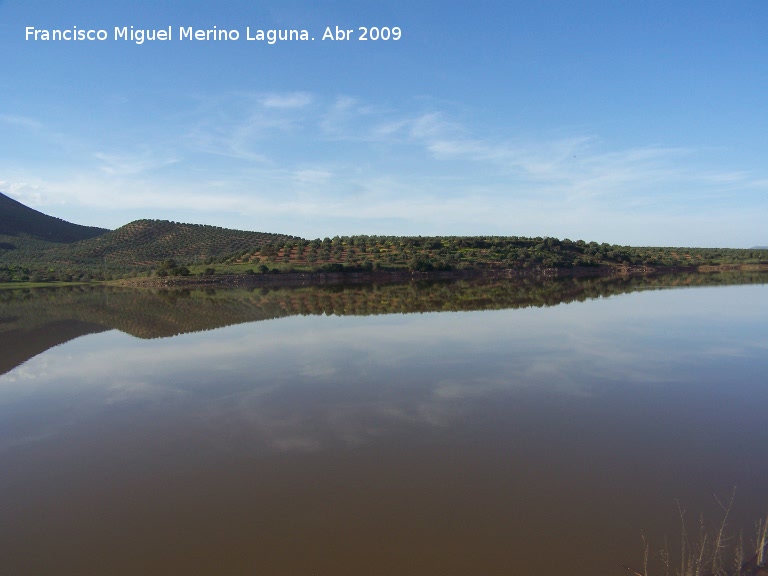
x: 16, y: 219
x: 145, y: 244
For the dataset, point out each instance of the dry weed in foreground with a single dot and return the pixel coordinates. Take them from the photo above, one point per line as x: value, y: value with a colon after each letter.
x: 712, y: 552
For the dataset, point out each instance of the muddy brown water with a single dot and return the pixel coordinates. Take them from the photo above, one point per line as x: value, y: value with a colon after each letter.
x: 531, y: 439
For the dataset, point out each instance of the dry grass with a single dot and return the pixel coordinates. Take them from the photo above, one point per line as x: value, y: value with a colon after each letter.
x: 709, y: 551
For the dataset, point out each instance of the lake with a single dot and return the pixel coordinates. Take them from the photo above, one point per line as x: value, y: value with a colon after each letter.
x: 452, y: 428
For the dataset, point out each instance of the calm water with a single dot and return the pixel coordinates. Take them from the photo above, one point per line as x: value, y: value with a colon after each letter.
x: 525, y: 437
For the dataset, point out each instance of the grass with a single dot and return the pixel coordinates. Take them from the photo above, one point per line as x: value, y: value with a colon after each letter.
x: 712, y: 551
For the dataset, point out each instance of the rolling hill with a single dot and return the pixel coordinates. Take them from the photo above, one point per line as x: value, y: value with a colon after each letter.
x: 33, y: 241
x: 144, y: 243
x: 37, y: 247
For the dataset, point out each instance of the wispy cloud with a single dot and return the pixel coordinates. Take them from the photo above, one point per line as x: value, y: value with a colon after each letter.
x: 288, y: 100
x: 245, y: 126
x: 314, y: 165
x: 312, y: 176
x: 126, y: 164
x: 22, y: 121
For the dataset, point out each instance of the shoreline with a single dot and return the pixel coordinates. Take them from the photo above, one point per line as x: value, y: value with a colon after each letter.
x: 395, y: 276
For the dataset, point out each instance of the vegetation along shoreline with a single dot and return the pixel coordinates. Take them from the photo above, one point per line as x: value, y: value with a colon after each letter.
x: 37, y: 248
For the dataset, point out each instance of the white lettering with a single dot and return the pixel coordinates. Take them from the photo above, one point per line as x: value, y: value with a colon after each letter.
x: 66, y: 35
x: 272, y: 36
x: 212, y: 34
x: 140, y: 36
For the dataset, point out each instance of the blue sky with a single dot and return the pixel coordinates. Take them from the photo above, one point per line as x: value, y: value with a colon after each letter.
x: 629, y: 122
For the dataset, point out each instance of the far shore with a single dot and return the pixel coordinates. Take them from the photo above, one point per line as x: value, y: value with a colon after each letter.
x: 389, y: 276
x: 299, y: 278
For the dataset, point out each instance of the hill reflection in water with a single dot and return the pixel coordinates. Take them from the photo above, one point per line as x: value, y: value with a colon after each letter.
x: 455, y: 443
x: 31, y: 321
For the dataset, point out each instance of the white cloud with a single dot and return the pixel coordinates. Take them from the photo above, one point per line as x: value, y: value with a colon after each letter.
x: 287, y: 100
x: 318, y: 166
x: 30, y: 193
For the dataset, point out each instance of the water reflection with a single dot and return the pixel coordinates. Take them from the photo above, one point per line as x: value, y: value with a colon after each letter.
x: 460, y: 442
x: 32, y: 321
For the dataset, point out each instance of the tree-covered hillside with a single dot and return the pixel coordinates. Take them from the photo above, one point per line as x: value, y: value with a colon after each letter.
x: 469, y: 252
x: 145, y: 243
x: 36, y: 247
x: 139, y: 247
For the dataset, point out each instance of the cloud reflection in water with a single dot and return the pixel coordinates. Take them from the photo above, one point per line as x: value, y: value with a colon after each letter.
x: 301, y: 383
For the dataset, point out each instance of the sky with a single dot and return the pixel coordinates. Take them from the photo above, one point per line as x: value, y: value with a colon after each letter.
x: 627, y: 122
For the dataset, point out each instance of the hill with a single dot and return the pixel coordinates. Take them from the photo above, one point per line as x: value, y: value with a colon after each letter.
x: 16, y: 220
x: 145, y: 243
x: 445, y: 253
x: 37, y: 247
x: 137, y: 247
